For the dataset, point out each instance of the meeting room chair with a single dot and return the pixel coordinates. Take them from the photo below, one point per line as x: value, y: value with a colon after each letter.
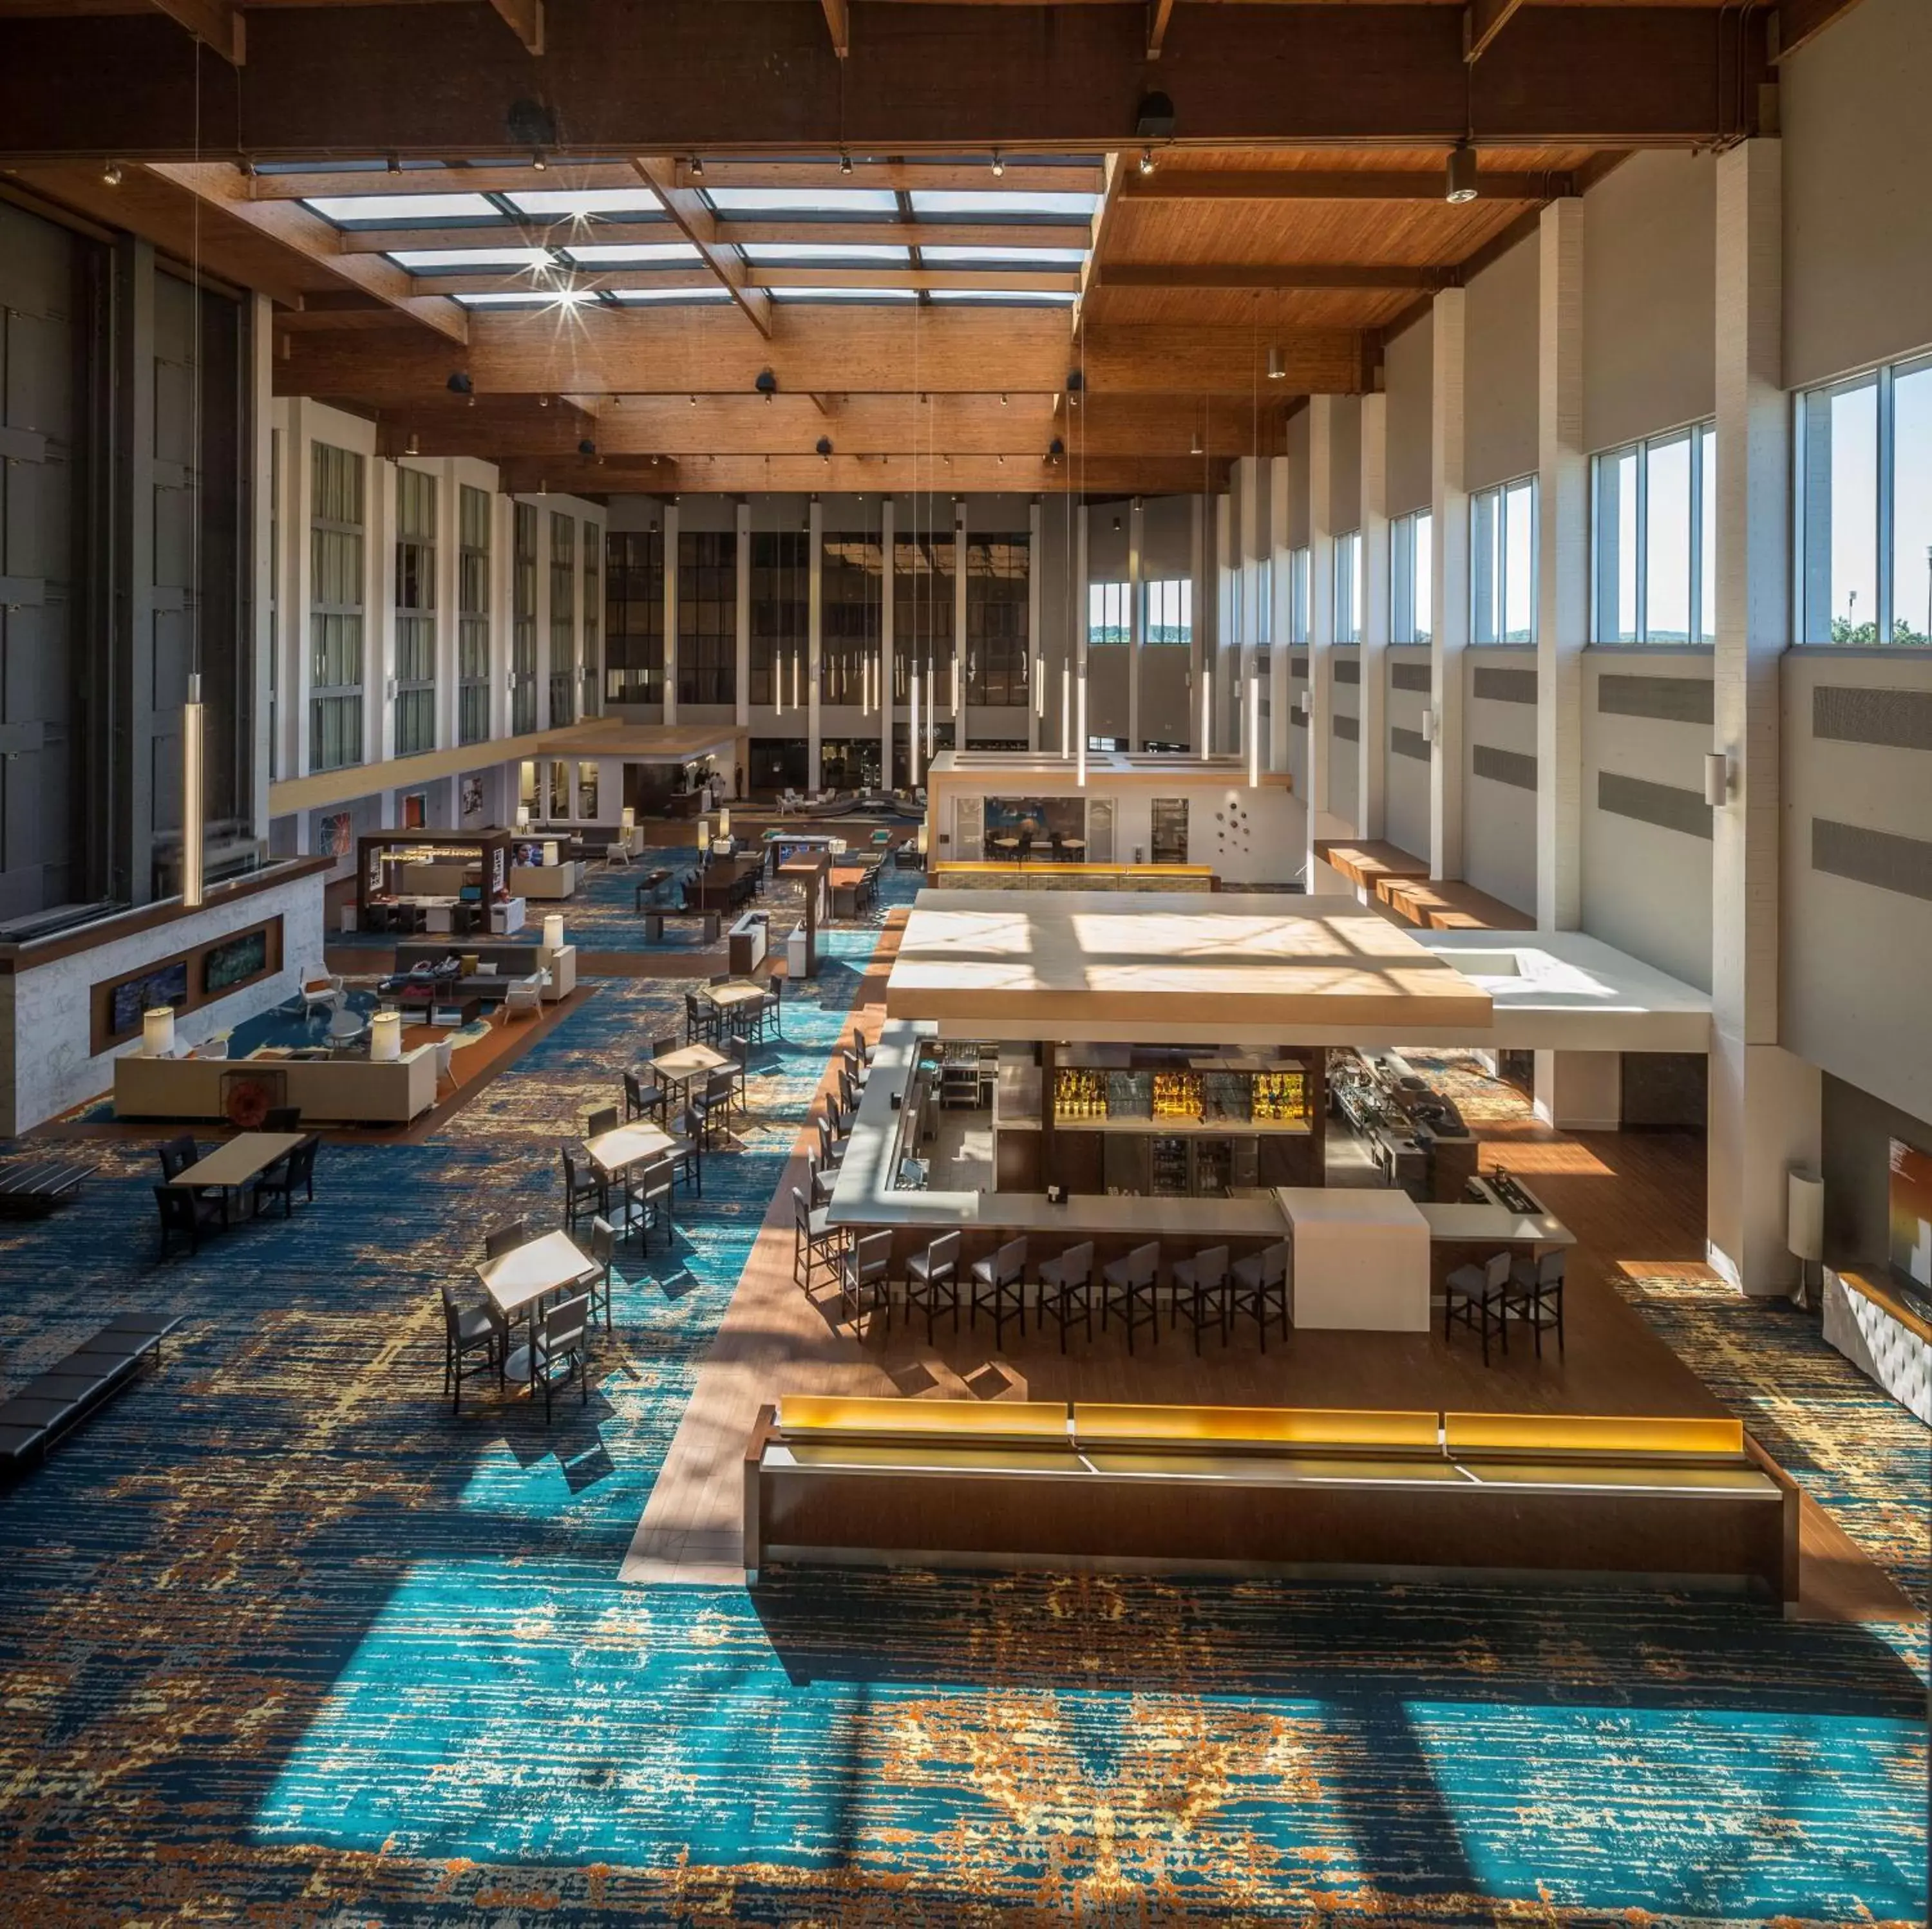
x: 282, y: 1118
x: 186, y: 1214
x: 467, y: 1331
x: 561, y: 1352
x: 1534, y: 1293
x: 932, y: 1283
x: 1203, y: 1290
x: 1127, y: 1289
x: 1473, y: 1296
x: 506, y: 1237
x: 1260, y: 1290
x: 1066, y: 1290
x: 998, y: 1288
x: 687, y: 1150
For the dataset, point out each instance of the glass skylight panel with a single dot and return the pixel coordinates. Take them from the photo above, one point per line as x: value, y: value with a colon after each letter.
x: 1037, y: 298
x: 981, y: 202
x: 398, y: 210
x: 551, y: 297
x: 1017, y: 257
x: 628, y: 254
x: 420, y: 260
x: 634, y: 204
x: 843, y: 295
x: 743, y: 201
x: 632, y: 297
x: 829, y: 252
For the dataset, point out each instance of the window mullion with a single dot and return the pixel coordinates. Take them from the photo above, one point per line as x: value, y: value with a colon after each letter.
x: 1883, y: 533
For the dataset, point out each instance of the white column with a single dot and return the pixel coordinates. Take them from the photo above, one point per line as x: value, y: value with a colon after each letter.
x: 886, y: 779
x: 1039, y: 677
x: 379, y: 605
x: 262, y: 561
x: 741, y: 677
x: 295, y: 685
x: 815, y: 524
x: 1764, y: 1101
x: 1449, y: 597
x: 1563, y: 567
x: 1321, y: 534
x: 1281, y: 601
x: 1136, y: 619
x: 671, y: 611
x: 1372, y: 697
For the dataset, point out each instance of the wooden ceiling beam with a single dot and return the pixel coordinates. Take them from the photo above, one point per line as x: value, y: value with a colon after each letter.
x: 838, y: 24
x: 919, y: 80
x: 217, y: 24
x: 1482, y: 21
x: 1281, y: 183
x: 686, y: 207
x: 1159, y: 13
x: 525, y: 19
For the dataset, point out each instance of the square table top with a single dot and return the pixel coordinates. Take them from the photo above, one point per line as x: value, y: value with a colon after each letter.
x: 738, y: 993
x: 612, y: 1151
x: 241, y: 1159
x: 689, y: 1061
x: 514, y: 1278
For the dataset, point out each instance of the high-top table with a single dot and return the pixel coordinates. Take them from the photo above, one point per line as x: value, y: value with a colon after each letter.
x: 518, y: 1280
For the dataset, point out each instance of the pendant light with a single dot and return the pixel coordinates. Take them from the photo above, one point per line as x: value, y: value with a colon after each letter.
x: 1255, y: 730
x: 1066, y: 710
x: 1206, y: 711
x: 1080, y: 734
x: 1459, y: 184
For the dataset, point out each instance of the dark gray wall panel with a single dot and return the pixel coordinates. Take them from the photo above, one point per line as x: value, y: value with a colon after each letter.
x: 1347, y: 728
x: 1512, y: 767
x: 1505, y: 686
x: 1415, y: 676
x: 1898, y: 719
x: 1881, y: 859
x: 1665, y: 805
x: 1409, y: 744
x: 1670, y: 700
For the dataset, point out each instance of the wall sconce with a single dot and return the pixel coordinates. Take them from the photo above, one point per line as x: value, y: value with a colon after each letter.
x: 1716, y: 779
x: 1431, y: 726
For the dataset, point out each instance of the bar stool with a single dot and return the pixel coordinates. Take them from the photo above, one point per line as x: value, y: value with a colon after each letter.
x: 1066, y: 1290
x: 859, y: 1044
x: 1201, y: 1291
x: 1474, y: 1295
x: 816, y: 1244
x: 642, y: 1101
x: 1260, y: 1291
x: 1126, y: 1287
x: 997, y: 1288
x: 932, y: 1283
x: 1535, y: 1293
x: 864, y: 1284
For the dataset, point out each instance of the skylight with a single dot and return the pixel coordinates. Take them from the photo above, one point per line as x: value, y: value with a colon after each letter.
x: 981, y: 202
x: 1016, y: 258
x: 1010, y: 297
x: 632, y: 297
x: 828, y: 252
x: 843, y: 295
x: 396, y: 210
x: 805, y: 201
x: 418, y: 259
x: 553, y: 298
x: 634, y: 204
x: 625, y: 254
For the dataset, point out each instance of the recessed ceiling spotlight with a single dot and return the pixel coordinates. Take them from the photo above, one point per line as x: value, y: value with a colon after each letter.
x: 538, y: 162
x: 999, y: 166
x: 1460, y: 185
x: 1277, y: 370
x: 412, y: 447
x: 697, y: 167
x: 844, y: 161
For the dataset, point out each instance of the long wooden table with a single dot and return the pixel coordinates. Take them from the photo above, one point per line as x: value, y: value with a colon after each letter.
x: 246, y: 1156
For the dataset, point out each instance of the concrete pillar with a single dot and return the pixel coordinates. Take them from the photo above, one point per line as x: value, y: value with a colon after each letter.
x: 814, y: 742
x: 1449, y: 600
x: 1321, y: 534
x: 502, y: 616
x: 1764, y: 1101
x: 1372, y: 746
x: 1563, y: 567
x: 449, y: 566
x: 741, y: 673
x: 670, y: 610
x: 1136, y: 620
x: 886, y: 778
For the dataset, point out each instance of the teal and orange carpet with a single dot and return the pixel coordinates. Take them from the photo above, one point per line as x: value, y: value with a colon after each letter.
x: 282, y: 1642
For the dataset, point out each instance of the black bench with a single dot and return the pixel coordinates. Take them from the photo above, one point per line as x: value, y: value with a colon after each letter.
x: 51, y: 1405
x: 31, y: 1190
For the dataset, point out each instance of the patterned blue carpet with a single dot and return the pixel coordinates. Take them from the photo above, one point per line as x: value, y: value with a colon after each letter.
x: 282, y: 1641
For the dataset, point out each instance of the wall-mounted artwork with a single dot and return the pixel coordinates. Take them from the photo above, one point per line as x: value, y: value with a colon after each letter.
x: 338, y: 834
x: 1911, y: 1203
x: 228, y: 964
x: 134, y: 996
x: 470, y: 797
x: 415, y: 810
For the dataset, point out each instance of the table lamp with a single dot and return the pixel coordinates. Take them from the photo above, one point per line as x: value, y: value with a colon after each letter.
x: 552, y: 930
x: 157, y: 1031
x: 522, y: 816
x: 385, y: 1036
x: 1804, y: 1225
x: 704, y: 833
x: 724, y: 823
x: 550, y: 852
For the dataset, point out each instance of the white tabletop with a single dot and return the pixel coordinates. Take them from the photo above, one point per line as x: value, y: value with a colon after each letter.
x: 514, y: 1278
x: 238, y: 1161
x: 689, y: 1061
x: 612, y: 1151
x: 737, y: 993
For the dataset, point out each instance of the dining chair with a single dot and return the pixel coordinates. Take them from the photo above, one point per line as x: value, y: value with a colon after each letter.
x: 642, y: 1101
x: 295, y: 1168
x: 468, y: 1330
x: 1473, y: 1297
x: 186, y: 1213
x: 562, y: 1351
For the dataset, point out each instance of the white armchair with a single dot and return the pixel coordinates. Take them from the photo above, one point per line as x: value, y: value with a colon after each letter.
x: 524, y: 994
x: 789, y: 802
x: 321, y: 991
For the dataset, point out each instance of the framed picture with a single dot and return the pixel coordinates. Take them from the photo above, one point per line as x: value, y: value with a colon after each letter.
x: 415, y: 810
x: 470, y: 795
x: 338, y: 834
x: 228, y: 964
x: 132, y: 995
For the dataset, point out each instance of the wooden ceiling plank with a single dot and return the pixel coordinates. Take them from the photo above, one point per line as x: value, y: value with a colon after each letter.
x: 1175, y: 184
x: 525, y: 19
x: 686, y: 207
x: 843, y: 474
x: 217, y: 24
x: 1482, y: 21
x: 571, y: 232
x: 1265, y: 274
x: 838, y: 24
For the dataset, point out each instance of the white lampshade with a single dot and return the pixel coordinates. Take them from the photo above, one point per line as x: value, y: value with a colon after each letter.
x: 704, y: 833
x: 157, y: 1031
x: 385, y: 1036
x: 724, y: 823
x: 550, y: 852
x: 554, y: 931
x: 1805, y: 1214
x: 522, y: 816
x: 627, y: 818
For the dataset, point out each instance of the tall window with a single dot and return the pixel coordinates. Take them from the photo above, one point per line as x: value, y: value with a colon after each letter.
x: 593, y: 553
x: 634, y: 609
x: 1348, y: 588
x: 707, y: 615
x: 1108, y: 617
x: 415, y: 611
x: 781, y: 617
x: 851, y: 603
x: 1654, y: 526
x: 922, y: 569
x: 524, y: 620
x: 1864, y: 508
x: 998, y: 644
x: 1170, y: 611
x: 1502, y: 564
x: 473, y: 615
x: 335, y: 608
x: 1298, y: 588
x: 1412, y: 584
x: 562, y: 619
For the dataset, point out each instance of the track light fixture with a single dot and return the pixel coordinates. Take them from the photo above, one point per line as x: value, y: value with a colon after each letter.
x: 459, y: 383
x: 538, y: 162
x: 1147, y: 160
x: 697, y: 167
x: 825, y: 447
x: 999, y: 166
x: 412, y: 447
x: 110, y: 175
x: 844, y: 161
x: 1460, y: 185
x: 766, y: 384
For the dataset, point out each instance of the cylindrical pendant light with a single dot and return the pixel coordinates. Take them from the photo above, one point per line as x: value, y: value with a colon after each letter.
x: 1460, y: 184
x: 1039, y: 685
x: 1080, y: 732
x: 1206, y: 711
x: 1255, y: 730
x: 194, y: 760
x: 912, y: 726
x: 1065, y: 711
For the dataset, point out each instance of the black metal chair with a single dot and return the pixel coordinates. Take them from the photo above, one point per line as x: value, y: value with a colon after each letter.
x: 596, y: 1279
x: 998, y: 1288
x: 1260, y: 1291
x: 588, y: 1194
x: 506, y: 1238
x: 651, y: 1200
x: 185, y: 1214
x: 467, y: 1331
x: 296, y: 1168
x: 1066, y: 1290
x: 282, y: 1118
x: 738, y: 1072
x: 687, y: 1151
x: 815, y: 1244
x: 1127, y: 1288
x: 561, y: 1352
x: 177, y: 1155
x: 932, y: 1283
x: 865, y: 1284
x: 771, y: 1008
x: 1534, y: 1293
x: 1203, y: 1290
x: 642, y: 1101
x: 1473, y: 1296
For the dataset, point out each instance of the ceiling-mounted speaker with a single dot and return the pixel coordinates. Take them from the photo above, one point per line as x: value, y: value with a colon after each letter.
x: 824, y: 447
x: 1153, y: 119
